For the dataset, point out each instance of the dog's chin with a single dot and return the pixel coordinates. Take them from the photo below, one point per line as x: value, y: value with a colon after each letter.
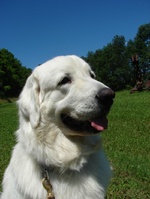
x: 89, y: 127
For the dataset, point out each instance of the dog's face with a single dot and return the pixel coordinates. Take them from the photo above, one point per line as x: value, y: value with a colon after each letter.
x: 63, y: 91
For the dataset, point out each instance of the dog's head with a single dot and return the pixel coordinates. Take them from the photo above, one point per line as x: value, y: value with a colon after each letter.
x: 64, y: 91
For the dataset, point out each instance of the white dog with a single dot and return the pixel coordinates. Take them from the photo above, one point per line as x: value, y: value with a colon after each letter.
x: 62, y: 108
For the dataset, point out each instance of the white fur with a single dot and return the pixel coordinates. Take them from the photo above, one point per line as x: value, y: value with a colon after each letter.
x: 78, y: 168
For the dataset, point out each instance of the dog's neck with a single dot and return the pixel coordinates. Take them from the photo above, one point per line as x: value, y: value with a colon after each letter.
x: 87, y: 144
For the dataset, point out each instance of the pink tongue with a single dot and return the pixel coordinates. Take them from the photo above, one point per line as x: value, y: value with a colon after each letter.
x: 99, y: 123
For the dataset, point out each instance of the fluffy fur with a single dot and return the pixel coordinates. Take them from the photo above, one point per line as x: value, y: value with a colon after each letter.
x: 77, y: 166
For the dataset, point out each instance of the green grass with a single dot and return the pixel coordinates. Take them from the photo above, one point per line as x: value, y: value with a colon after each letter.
x: 8, y: 125
x: 126, y: 143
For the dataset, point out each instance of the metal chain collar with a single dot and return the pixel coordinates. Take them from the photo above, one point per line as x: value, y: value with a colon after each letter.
x: 47, y: 185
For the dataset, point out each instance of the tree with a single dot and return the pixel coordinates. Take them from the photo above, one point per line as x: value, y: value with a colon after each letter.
x: 12, y: 74
x: 140, y: 47
x: 142, y: 44
x: 111, y: 65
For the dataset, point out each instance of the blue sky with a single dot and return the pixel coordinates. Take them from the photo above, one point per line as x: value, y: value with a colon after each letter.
x: 38, y: 30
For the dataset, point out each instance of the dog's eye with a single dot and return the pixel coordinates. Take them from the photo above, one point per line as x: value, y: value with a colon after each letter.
x: 92, y: 75
x: 65, y: 80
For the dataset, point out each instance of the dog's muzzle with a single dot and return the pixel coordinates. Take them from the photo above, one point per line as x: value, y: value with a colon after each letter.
x: 96, y: 124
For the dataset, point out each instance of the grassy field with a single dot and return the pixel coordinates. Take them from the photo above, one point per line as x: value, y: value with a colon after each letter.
x: 126, y: 142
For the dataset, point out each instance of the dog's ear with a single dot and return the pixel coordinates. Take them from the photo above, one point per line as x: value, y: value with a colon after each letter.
x: 29, y: 108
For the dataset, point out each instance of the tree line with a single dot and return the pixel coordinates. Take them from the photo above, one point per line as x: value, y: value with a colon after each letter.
x: 12, y: 74
x: 112, y: 64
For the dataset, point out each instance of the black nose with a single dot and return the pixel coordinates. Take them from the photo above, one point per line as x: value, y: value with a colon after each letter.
x: 106, y: 96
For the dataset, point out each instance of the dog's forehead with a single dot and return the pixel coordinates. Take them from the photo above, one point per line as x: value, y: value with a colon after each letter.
x: 64, y: 65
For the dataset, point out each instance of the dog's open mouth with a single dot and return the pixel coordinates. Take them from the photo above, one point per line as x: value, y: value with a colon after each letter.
x: 91, y: 126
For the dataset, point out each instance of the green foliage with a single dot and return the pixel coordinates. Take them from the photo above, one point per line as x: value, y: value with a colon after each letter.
x: 126, y: 143
x: 12, y: 74
x: 112, y: 63
x: 142, y: 44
